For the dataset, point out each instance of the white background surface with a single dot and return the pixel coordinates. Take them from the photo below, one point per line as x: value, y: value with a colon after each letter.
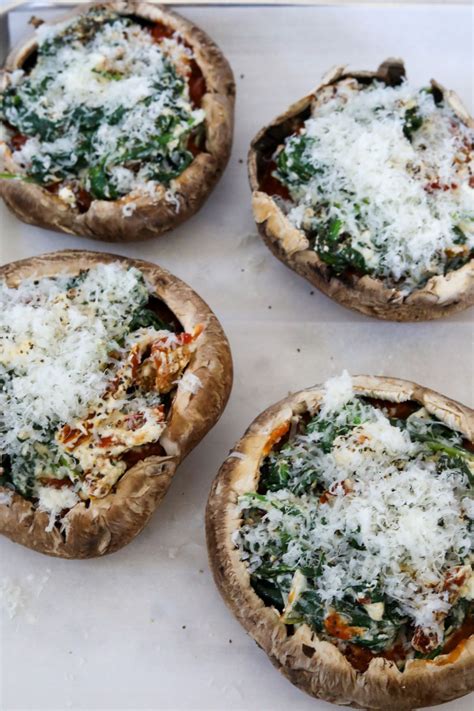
x: 145, y: 628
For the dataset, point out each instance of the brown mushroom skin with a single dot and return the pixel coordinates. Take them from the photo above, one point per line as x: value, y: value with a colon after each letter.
x: 104, y: 220
x: 107, y: 524
x: 316, y: 666
x: 441, y: 296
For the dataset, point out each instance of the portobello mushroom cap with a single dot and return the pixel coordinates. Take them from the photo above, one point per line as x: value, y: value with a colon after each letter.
x: 314, y: 665
x: 441, y: 296
x: 152, y: 215
x: 103, y: 525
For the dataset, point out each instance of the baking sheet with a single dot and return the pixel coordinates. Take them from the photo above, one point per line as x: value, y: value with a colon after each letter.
x: 145, y: 628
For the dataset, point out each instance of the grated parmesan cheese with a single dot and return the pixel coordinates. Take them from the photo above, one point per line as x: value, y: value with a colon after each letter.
x: 58, y: 347
x: 53, y: 501
x: 82, y: 377
x: 389, y: 518
x: 337, y: 391
x: 399, y: 196
x: 117, y: 85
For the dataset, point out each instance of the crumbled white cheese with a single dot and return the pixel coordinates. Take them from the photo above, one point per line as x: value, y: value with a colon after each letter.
x: 390, y: 518
x: 298, y: 586
x: 375, y: 610
x: 54, y: 501
x: 126, y: 77
x: 337, y: 391
x: 57, y: 347
x: 467, y: 590
x: 67, y: 195
x: 16, y: 76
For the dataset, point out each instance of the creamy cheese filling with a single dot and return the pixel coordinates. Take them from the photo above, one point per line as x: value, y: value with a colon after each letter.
x: 363, y: 526
x: 382, y: 178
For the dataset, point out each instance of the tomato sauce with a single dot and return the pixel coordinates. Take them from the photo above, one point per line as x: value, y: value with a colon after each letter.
x: 160, y: 32
x: 460, y: 636
x: 193, y: 145
x: 360, y: 657
x: 336, y: 626
x: 271, y: 185
x: 83, y: 199
x: 55, y: 483
x: 275, y: 437
x: 267, y: 181
x: 197, y: 84
x: 436, y: 185
x: 468, y: 445
x: 18, y: 141
x: 195, y: 78
x: 72, y: 436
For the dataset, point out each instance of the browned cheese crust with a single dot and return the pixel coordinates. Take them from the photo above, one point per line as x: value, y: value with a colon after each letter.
x: 442, y: 295
x: 107, y: 524
x: 317, y: 666
x: 152, y: 216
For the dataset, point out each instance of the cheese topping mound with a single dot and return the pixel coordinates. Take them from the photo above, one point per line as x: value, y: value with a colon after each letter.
x: 375, y: 514
x: 106, y: 108
x: 85, y: 370
x: 54, y: 346
x: 382, y: 179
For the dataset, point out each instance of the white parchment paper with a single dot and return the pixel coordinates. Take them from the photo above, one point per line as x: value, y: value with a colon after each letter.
x: 145, y: 628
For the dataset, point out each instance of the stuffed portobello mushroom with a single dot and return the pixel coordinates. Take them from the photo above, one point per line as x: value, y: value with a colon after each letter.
x: 366, y: 188
x: 115, y: 122
x: 340, y: 534
x: 111, y: 371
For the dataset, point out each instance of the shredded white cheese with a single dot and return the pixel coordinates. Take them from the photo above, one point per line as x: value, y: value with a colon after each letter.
x: 126, y: 86
x: 83, y: 373
x: 389, y: 517
x: 53, y: 501
x: 337, y: 391
x: 398, y: 198
x: 58, y: 346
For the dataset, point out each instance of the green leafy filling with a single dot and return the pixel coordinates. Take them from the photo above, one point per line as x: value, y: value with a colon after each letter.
x: 299, y: 171
x: 163, y: 151
x: 272, y: 579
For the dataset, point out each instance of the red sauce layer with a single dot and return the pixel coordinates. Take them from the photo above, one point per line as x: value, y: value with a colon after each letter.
x: 271, y: 185
x: 195, y: 79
